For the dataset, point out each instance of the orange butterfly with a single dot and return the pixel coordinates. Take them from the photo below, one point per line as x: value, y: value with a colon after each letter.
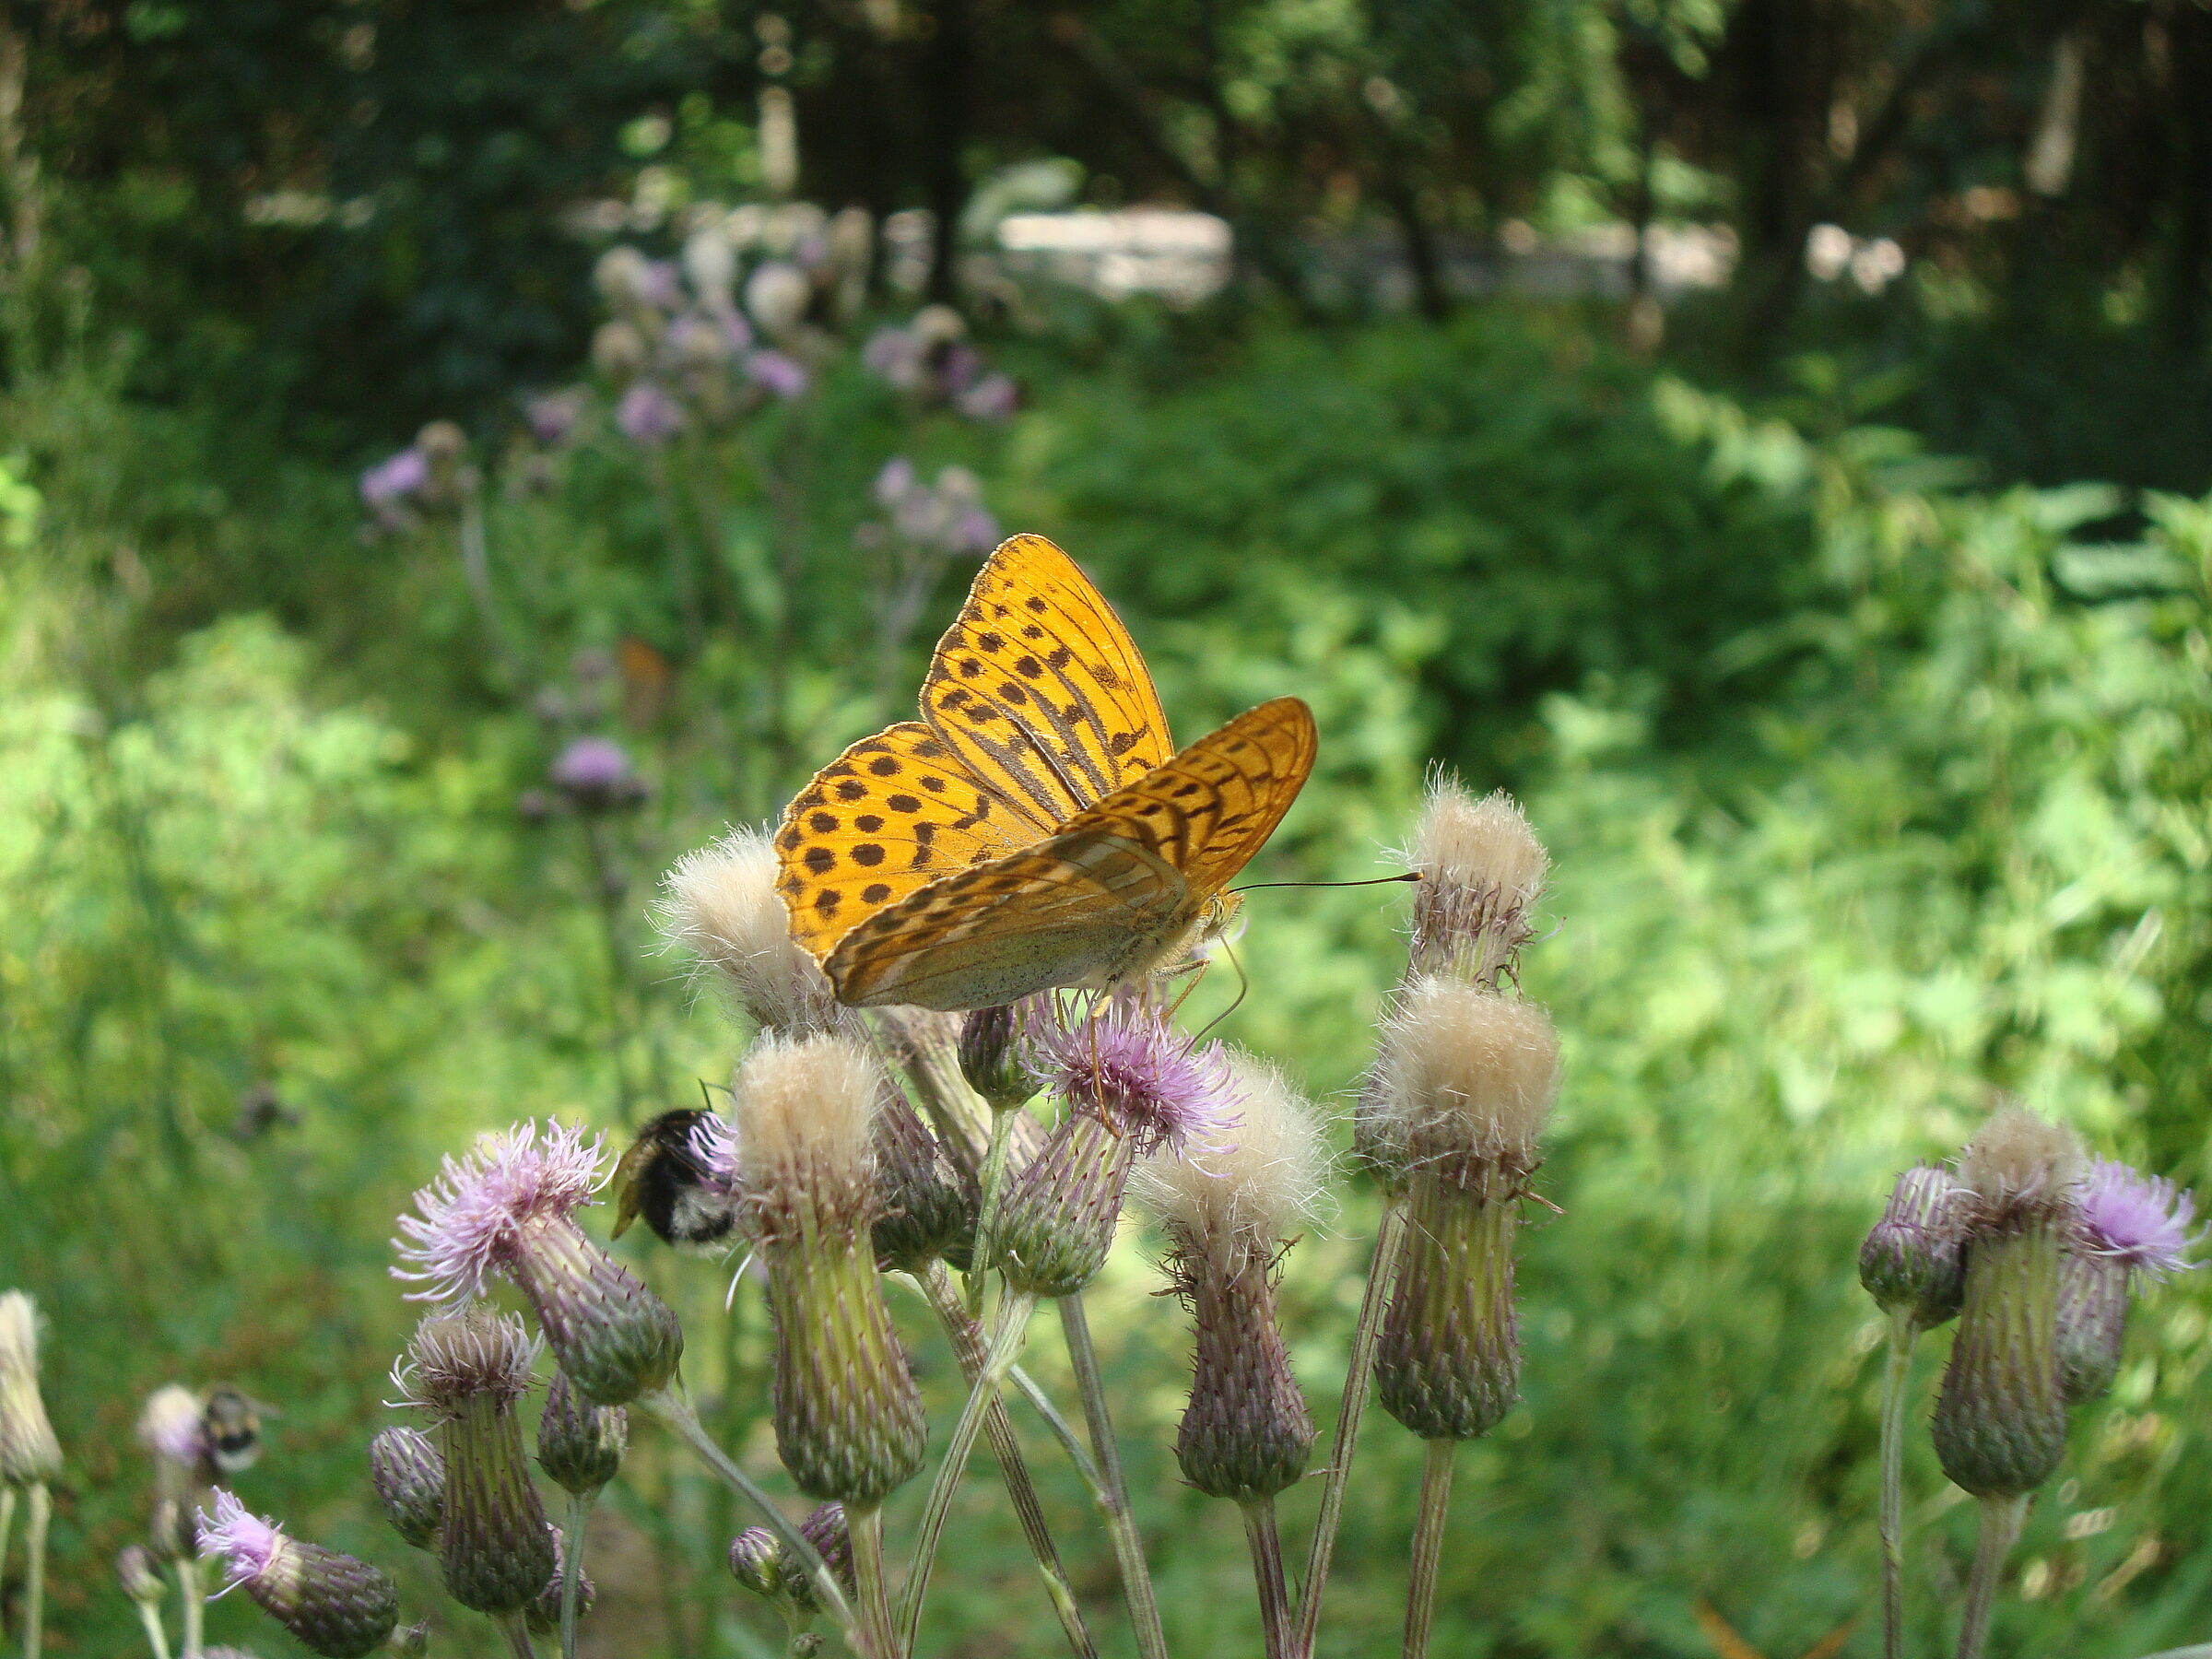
x: 1034, y: 829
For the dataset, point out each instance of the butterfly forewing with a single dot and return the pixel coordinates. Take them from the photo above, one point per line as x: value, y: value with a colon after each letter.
x: 891, y: 813
x: 1039, y: 687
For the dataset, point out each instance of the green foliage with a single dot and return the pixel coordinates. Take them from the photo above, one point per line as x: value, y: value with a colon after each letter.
x: 1868, y: 798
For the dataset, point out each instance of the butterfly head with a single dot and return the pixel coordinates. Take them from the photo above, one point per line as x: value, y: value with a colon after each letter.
x: 1221, y: 922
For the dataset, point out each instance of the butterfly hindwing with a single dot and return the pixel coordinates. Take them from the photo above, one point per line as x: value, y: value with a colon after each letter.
x: 1039, y: 688
x: 891, y: 813
x: 1058, y: 913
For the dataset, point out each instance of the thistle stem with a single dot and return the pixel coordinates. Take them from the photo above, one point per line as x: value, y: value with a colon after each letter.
x: 511, y: 1626
x: 571, y: 1569
x: 2000, y: 1521
x: 8, y: 1525
x: 1360, y: 1370
x: 36, y: 1513
x: 985, y: 1252
x: 863, y: 1524
x: 1112, y: 1491
x: 1266, y: 1542
x: 1005, y: 1343
x: 1903, y: 1332
x: 195, y: 1609
x: 150, y: 1616
x: 1428, y: 1545
x: 998, y: 1429
x: 675, y: 1411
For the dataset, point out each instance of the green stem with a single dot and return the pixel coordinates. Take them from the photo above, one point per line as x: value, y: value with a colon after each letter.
x: 1062, y: 1430
x: 150, y: 1616
x: 1112, y: 1491
x: 985, y: 1254
x: 195, y: 1607
x: 1005, y: 1343
x: 2001, y: 1520
x: 1427, y: 1546
x: 571, y: 1569
x: 1266, y: 1542
x: 35, y: 1515
x: 517, y: 1633
x: 675, y: 1411
x: 1389, y: 1241
x: 8, y: 1525
x: 863, y: 1526
x: 998, y: 1429
x: 1903, y: 1332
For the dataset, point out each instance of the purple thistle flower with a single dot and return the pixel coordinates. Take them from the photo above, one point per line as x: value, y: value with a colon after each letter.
x: 246, y: 1543
x: 596, y: 773
x: 1140, y: 1075
x: 784, y: 376
x: 994, y: 397
x: 2138, y: 1220
x: 472, y: 1218
x: 335, y: 1605
x: 552, y: 416
x: 959, y: 366
x: 394, y: 478
x: 713, y: 1142
x: 975, y: 531
x: 894, y: 483
x: 647, y: 416
x: 661, y: 284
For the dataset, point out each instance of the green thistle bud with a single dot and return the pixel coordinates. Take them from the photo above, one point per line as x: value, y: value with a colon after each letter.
x: 543, y: 1615
x: 825, y: 1528
x: 579, y: 1444
x: 756, y: 1563
x: 494, y: 1545
x: 335, y: 1605
x: 1057, y: 1218
x: 409, y: 1472
x: 991, y: 1057
x: 1230, y: 1210
x: 928, y: 1209
x: 140, y: 1574
x: 29, y: 1453
x: 2000, y: 1424
x: 2091, y: 1324
x: 1468, y: 1077
x: 849, y: 1418
x: 1913, y: 1260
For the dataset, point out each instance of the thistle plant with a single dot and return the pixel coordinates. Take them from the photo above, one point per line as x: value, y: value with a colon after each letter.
x: 580, y: 1446
x: 333, y: 1604
x: 172, y: 1429
x: 30, y: 1457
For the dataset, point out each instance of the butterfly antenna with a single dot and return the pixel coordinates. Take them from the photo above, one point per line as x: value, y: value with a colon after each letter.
x: 1244, y: 986
x: 1253, y: 886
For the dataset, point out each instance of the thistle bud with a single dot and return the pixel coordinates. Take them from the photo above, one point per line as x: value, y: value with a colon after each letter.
x: 760, y: 1562
x: 2133, y: 1227
x: 2000, y: 1424
x: 29, y: 1453
x: 579, y: 1444
x: 1912, y: 1261
x: 409, y: 1472
x: 1482, y: 871
x: 1057, y: 1217
x: 467, y: 1369
x: 1467, y: 1079
x: 757, y: 1562
x: 849, y: 1418
x: 140, y: 1575
x: 335, y: 1604
x: 543, y: 1615
x: 1229, y: 1211
x: 411, y: 1642
x: 170, y: 1429
x: 509, y: 1206
x: 928, y: 1210
x: 991, y: 1057
x: 720, y: 905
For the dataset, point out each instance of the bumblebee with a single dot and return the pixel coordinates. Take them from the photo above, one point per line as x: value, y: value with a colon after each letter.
x: 662, y: 1179
x: 230, y: 1430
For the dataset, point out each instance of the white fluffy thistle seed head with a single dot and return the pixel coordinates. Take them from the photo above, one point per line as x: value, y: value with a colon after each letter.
x: 1261, y: 1180
x: 720, y: 903
x: 2019, y: 1165
x: 802, y: 1114
x: 1464, y: 1082
x: 1482, y: 871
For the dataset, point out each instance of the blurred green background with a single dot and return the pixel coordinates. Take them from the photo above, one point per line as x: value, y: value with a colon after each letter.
x: 1771, y: 437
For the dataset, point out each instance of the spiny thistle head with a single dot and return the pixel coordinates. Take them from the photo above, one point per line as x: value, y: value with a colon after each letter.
x: 30, y: 1454
x: 1481, y: 872
x: 455, y: 1360
x: 2135, y: 1221
x: 805, y: 1111
x: 1464, y: 1084
x: 720, y: 904
x: 509, y: 1206
x: 927, y: 1207
x: 335, y: 1604
x: 543, y: 1615
x: 1260, y: 1182
x: 2019, y: 1166
x: 580, y: 1445
x: 991, y: 1058
x: 409, y: 1472
x: 826, y: 1529
x: 757, y: 1562
x: 1913, y: 1261
x: 1132, y: 1070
